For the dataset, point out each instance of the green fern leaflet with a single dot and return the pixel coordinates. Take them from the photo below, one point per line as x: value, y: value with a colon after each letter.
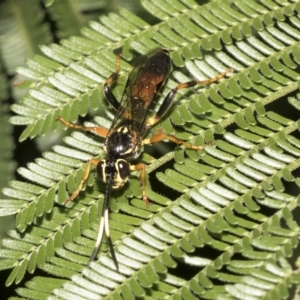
x: 223, y: 225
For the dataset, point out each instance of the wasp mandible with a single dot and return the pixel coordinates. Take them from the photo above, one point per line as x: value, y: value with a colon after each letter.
x: 124, y: 140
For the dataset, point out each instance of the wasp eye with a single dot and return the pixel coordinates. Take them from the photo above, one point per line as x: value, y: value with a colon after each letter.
x: 123, y: 169
x: 101, y: 169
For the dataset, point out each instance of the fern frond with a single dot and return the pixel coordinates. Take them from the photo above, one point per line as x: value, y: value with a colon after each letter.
x: 18, y: 27
x: 231, y: 216
x: 7, y: 165
x: 70, y: 25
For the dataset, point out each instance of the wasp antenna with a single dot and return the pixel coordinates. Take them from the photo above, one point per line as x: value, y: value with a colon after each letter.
x: 98, y: 241
x: 103, y: 223
x: 105, y: 215
x: 110, y: 244
x: 104, y: 226
x: 113, y: 254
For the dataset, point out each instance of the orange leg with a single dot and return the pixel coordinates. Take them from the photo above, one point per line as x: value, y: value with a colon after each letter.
x: 161, y: 136
x: 204, y: 82
x: 141, y: 167
x: 115, y: 75
x: 85, y: 175
x: 96, y: 130
x: 165, y: 106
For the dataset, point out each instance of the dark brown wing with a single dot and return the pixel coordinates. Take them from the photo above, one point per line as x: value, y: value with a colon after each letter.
x: 143, y: 84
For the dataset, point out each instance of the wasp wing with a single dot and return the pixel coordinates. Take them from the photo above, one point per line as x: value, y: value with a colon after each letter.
x: 143, y: 84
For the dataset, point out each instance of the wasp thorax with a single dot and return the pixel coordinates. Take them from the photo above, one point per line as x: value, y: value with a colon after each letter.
x: 117, y: 170
x: 119, y: 144
x: 122, y: 143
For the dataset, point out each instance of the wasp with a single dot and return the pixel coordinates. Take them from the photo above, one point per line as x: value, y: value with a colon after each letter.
x: 124, y: 140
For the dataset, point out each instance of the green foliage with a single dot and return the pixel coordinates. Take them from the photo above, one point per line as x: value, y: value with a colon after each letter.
x: 230, y: 228
x: 6, y: 164
x: 16, y: 38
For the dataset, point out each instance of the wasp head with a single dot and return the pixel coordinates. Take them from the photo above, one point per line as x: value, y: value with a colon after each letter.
x: 114, y: 171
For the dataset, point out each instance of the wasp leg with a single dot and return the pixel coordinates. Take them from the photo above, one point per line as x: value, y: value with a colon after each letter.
x: 106, y: 89
x: 161, y: 136
x: 96, y: 129
x: 110, y: 98
x: 141, y: 167
x: 85, y: 175
x: 171, y: 95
